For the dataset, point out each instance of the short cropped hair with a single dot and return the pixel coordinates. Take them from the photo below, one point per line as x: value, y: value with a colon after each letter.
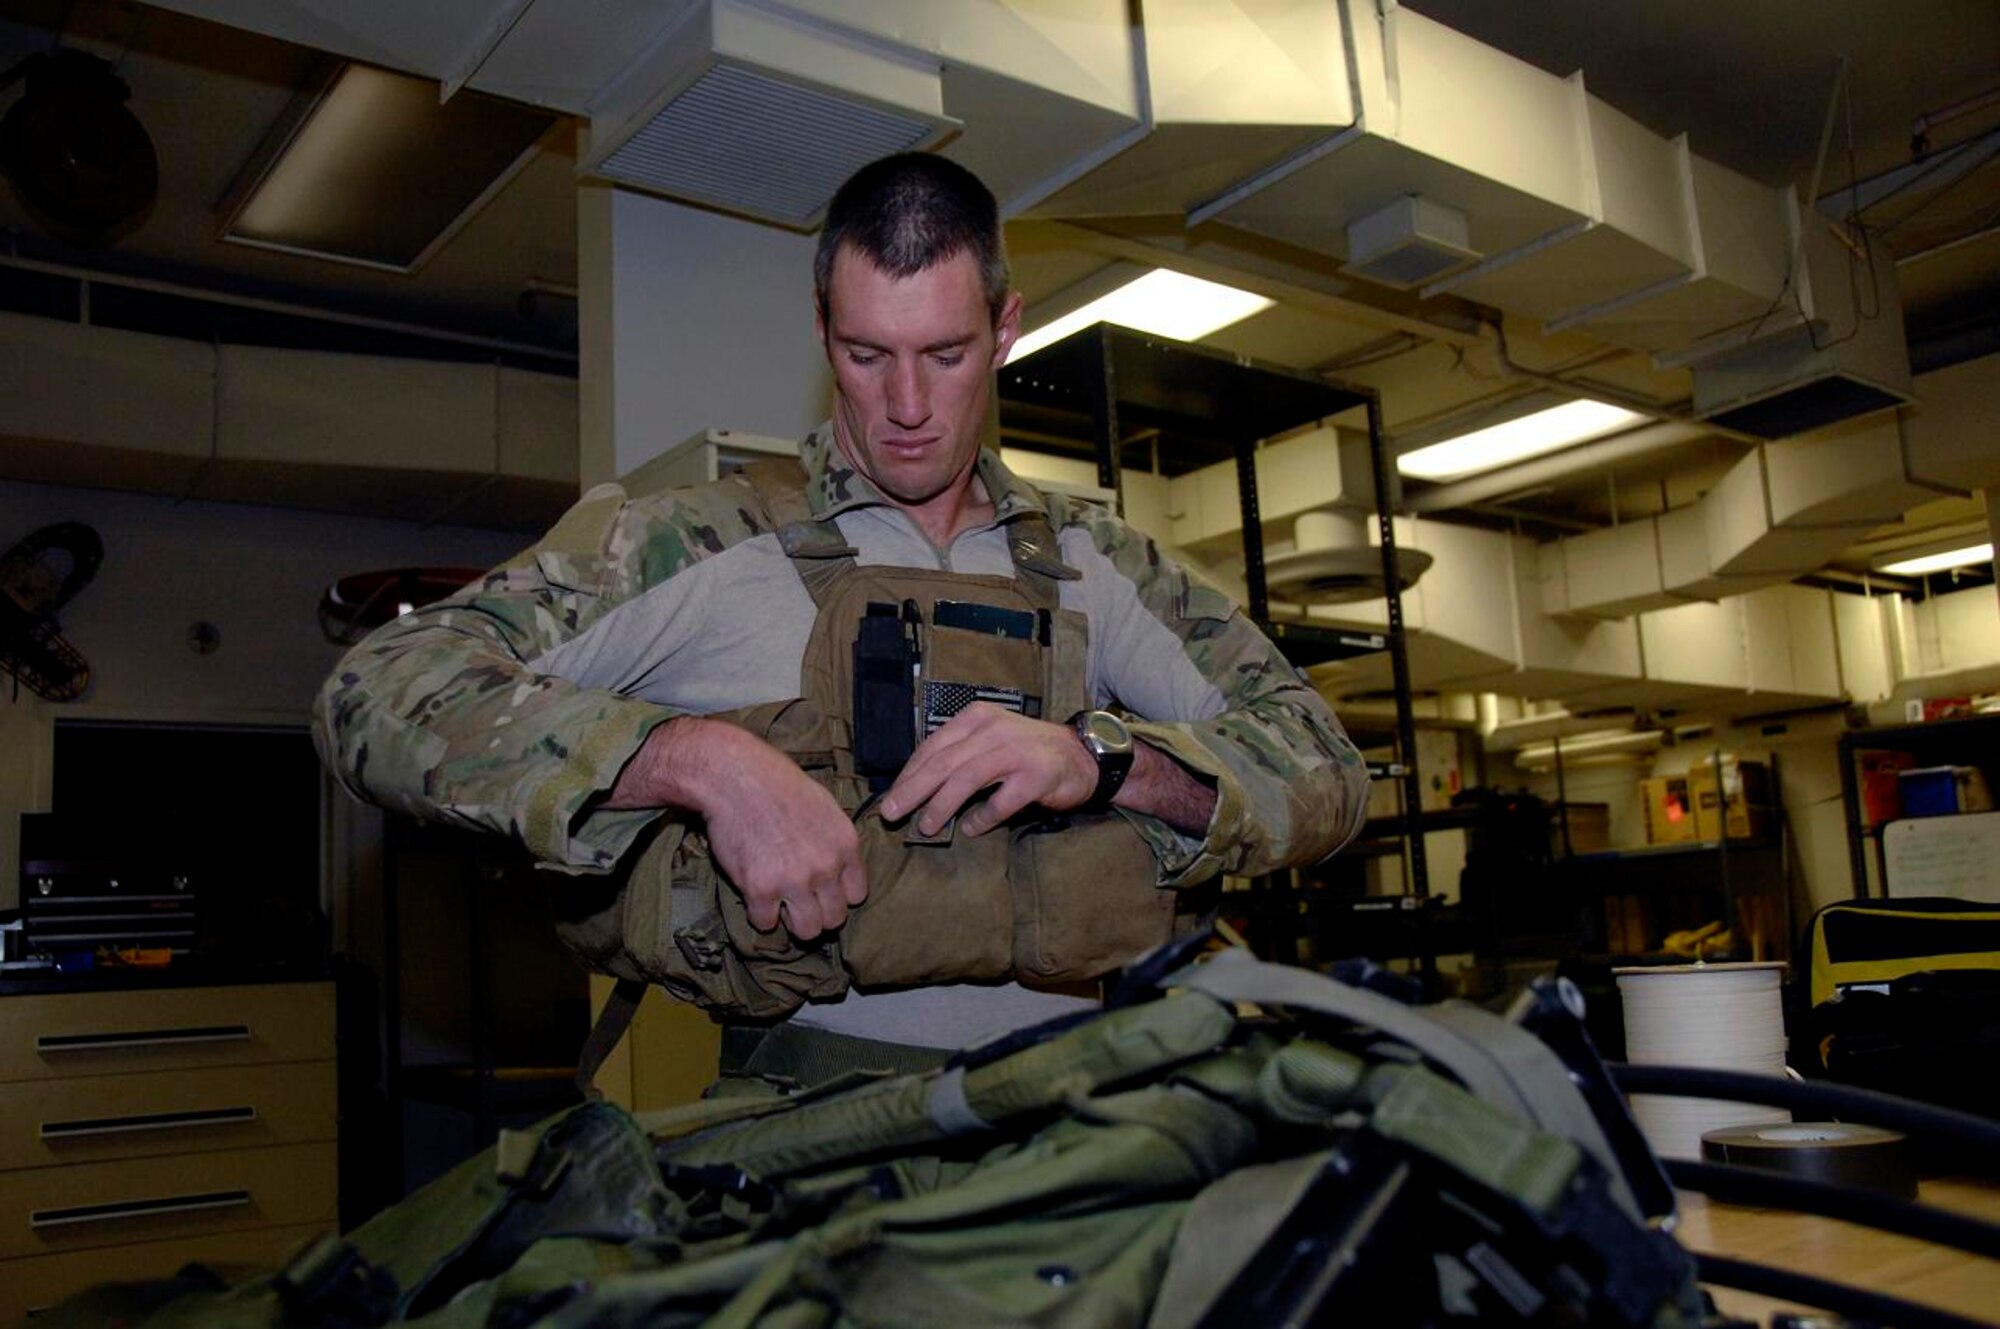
x: 909, y: 212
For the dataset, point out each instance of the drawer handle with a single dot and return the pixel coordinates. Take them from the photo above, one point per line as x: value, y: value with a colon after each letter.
x: 143, y: 1038
x: 107, y: 1213
x: 147, y: 1121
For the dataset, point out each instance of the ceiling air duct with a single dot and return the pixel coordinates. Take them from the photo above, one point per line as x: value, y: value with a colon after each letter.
x: 1331, y: 562
x: 761, y: 114
x: 1843, y: 355
x: 1413, y: 241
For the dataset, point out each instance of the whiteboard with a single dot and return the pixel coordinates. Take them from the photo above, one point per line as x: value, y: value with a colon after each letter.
x: 1957, y: 856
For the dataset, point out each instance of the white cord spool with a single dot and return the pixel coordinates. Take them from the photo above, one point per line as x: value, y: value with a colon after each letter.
x: 1722, y: 1017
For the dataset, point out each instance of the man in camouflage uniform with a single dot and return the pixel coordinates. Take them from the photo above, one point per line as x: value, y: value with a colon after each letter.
x: 567, y: 699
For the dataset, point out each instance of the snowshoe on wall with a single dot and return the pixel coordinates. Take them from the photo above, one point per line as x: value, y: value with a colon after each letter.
x: 39, y: 576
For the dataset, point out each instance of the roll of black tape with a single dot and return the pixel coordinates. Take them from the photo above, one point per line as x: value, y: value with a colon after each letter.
x: 1820, y: 1151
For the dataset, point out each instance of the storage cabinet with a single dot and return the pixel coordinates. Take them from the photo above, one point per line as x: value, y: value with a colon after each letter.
x: 147, y: 1127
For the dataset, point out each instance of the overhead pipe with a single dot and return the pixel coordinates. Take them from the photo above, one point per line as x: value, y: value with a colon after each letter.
x: 1936, y: 172
x: 1920, y: 128
x: 1615, y: 396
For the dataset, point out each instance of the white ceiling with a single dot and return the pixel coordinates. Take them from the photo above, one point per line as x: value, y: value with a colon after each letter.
x: 1748, y: 83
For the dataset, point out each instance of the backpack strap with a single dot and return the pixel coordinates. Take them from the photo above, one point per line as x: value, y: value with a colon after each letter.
x: 1226, y: 1226
x: 1495, y: 1059
x: 610, y: 1026
x: 819, y: 552
x: 780, y: 486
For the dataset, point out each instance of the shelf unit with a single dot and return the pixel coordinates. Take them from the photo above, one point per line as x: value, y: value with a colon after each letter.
x: 1700, y: 879
x: 1106, y: 381
x: 1712, y: 877
x: 1972, y: 740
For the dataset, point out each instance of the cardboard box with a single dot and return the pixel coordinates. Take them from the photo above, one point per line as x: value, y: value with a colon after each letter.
x: 1589, y: 828
x: 1438, y: 772
x: 1669, y: 809
x: 1741, y: 808
x: 1924, y: 710
x: 1749, y: 780
x: 1745, y: 821
x: 1627, y: 930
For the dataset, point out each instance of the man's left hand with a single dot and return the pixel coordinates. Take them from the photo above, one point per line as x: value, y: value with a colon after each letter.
x: 984, y: 746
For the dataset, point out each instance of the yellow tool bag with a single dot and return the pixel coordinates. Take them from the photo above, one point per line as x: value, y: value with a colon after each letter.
x: 1903, y: 996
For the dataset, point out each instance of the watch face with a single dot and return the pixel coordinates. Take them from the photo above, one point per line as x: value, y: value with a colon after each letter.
x: 1106, y: 732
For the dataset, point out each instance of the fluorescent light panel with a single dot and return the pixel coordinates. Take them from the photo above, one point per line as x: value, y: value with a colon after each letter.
x: 1166, y: 304
x: 1517, y: 440
x: 1950, y: 558
x: 372, y: 170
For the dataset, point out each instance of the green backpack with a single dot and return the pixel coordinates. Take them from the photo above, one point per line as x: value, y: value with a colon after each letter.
x: 1237, y: 1144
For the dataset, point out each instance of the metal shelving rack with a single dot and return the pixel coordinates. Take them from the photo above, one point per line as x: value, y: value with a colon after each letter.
x: 1111, y: 380
x: 1964, y: 740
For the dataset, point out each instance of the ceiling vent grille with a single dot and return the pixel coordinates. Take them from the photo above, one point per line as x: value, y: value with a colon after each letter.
x: 748, y: 143
x: 1807, y: 407
x: 1413, y: 241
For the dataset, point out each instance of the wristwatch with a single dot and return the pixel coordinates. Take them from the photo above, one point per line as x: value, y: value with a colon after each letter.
x: 1109, y: 742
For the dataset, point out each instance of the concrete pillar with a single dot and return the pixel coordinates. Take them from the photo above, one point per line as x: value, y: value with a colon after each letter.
x: 688, y: 320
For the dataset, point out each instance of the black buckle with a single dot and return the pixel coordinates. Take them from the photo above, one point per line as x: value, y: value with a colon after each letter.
x: 329, y: 1286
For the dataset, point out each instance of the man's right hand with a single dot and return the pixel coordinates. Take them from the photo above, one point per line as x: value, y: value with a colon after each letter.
x: 779, y: 836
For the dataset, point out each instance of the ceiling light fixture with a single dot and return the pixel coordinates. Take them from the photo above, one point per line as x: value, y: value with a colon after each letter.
x: 1517, y: 440
x: 369, y: 168
x: 1941, y: 561
x: 1593, y: 748
x: 1166, y: 304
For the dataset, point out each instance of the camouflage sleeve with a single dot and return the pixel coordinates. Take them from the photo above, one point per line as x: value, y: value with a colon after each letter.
x: 438, y: 713
x: 1291, y: 788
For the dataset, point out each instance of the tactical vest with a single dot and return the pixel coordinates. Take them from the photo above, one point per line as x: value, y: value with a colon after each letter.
x: 1045, y: 900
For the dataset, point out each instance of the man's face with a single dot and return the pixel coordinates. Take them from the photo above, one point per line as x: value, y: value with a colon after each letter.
x: 913, y: 361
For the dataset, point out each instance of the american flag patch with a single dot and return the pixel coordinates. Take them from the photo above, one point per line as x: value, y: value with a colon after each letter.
x: 944, y: 700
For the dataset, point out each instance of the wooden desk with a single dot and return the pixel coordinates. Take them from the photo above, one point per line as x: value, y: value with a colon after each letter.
x: 1827, y: 1248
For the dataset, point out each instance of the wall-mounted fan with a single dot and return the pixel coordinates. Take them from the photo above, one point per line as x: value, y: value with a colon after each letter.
x: 77, y: 157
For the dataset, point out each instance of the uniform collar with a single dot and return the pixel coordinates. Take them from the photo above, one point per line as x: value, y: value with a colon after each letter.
x: 833, y: 486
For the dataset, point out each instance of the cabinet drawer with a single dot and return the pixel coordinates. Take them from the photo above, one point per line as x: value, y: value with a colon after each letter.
x: 97, y: 1117
x: 108, y: 1033
x: 39, y: 1282
x: 44, y: 1210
